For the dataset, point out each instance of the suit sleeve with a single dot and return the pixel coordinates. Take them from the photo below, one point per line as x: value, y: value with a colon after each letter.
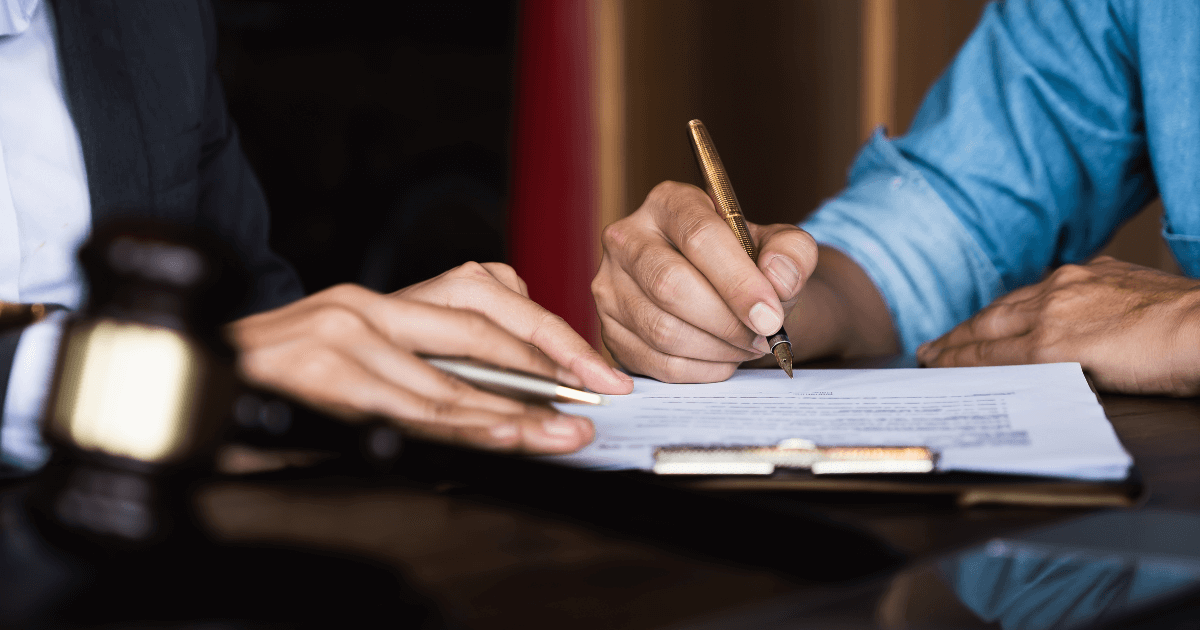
x: 24, y: 392
x: 231, y: 201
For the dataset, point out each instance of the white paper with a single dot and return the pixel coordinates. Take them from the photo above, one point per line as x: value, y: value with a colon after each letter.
x: 1021, y: 419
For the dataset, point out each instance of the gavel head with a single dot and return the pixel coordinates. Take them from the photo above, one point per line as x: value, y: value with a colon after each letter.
x: 144, y: 381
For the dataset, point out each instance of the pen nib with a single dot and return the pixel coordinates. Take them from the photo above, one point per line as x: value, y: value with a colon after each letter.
x: 783, y: 356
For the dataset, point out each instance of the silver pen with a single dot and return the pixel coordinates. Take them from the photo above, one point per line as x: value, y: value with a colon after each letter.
x: 513, y: 383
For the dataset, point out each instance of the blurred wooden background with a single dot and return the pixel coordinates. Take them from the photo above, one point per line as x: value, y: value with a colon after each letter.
x: 789, y: 90
x: 386, y: 141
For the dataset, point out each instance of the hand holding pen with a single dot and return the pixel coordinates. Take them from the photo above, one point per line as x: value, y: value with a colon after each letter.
x: 679, y: 298
x: 362, y: 356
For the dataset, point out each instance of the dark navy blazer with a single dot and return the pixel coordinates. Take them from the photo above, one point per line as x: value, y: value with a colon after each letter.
x: 141, y: 85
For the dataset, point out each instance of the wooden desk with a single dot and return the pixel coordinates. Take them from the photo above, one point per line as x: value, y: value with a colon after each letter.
x: 492, y: 566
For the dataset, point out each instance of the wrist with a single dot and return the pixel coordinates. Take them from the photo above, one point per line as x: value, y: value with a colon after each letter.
x: 841, y: 311
x: 1186, y: 343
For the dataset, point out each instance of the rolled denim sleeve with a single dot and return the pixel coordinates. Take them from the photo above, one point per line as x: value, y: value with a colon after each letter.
x: 1027, y: 153
x: 892, y: 223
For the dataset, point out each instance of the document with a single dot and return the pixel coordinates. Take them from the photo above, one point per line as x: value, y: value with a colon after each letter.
x: 1021, y: 419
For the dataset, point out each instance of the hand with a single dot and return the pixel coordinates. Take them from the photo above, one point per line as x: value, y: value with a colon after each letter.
x: 679, y: 300
x: 1133, y: 329
x: 352, y: 353
x: 497, y: 292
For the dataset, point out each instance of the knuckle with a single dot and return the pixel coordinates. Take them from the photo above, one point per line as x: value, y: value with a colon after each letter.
x: 667, y: 190
x: 456, y: 390
x: 664, y: 330
x: 469, y: 270
x: 950, y: 357
x: 499, y: 268
x: 506, y: 275
x: 1056, y: 305
x: 318, y: 365
x: 473, y: 323
x: 1069, y: 274
x: 601, y: 288
x: 698, y: 232
x: 343, y: 291
x: 671, y: 369
x: 336, y: 322
x: 663, y: 279
x: 990, y: 321
x: 740, y: 286
x: 615, y: 236
x: 489, y: 440
x: 436, y: 410
x: 675, y: 369
x: 546, y: 322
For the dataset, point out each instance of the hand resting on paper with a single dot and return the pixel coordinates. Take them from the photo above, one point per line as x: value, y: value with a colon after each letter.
x: 352, y: 353
x: 1133, y: 329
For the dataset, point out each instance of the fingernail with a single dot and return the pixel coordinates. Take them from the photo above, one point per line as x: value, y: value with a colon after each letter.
x: 504, y: 431
x: 621, y: 376
x: 764, y: 319
x: 761, y: 345
x: 785, y: 273
x: 560, y: 426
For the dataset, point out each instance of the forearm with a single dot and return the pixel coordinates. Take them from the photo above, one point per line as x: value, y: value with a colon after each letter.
x: 840, y: 313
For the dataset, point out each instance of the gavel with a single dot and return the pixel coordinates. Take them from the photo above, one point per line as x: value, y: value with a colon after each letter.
x: 144, y: 393
x: 145, y: 389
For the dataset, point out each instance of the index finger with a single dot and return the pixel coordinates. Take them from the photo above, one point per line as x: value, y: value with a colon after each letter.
x: 441, y: 330
x: 551, y: 334
x: 525, y: 320
x: 1007, y: 351
x: 1010, y: 315
x: 690, y: 222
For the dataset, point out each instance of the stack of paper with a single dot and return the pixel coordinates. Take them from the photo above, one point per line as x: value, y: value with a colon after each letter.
x: 1021, y: 419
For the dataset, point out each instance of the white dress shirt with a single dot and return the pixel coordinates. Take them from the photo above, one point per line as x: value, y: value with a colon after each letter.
x: 45, y: 211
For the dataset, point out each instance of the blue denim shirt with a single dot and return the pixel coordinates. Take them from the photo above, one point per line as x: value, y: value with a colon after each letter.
x: 1056, y: 122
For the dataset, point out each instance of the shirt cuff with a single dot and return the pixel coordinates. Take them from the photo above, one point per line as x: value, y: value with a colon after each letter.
x: 929, y: 269
x: 25, y: 402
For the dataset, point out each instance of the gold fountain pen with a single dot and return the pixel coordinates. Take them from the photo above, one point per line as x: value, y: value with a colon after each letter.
x: 716, y: 181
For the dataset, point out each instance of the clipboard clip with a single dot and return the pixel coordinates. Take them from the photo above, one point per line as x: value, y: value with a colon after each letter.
x: 795, y: 454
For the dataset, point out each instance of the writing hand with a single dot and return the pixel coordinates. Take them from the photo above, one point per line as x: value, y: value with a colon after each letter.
x: 1131, y: 328
x: 678, y: 298
x: 353, y: 353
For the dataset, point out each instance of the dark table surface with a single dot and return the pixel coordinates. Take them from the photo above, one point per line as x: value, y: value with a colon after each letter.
x: 493, y: 564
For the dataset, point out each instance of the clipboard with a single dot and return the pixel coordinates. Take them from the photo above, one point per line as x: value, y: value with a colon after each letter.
x: 797, y: 466
x: 966, y: 489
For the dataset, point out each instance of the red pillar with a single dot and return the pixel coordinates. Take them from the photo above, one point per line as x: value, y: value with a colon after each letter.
x: 553, y: 203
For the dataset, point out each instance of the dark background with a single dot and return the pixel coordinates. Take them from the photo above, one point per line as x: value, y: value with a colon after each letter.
x: 379, y: 131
